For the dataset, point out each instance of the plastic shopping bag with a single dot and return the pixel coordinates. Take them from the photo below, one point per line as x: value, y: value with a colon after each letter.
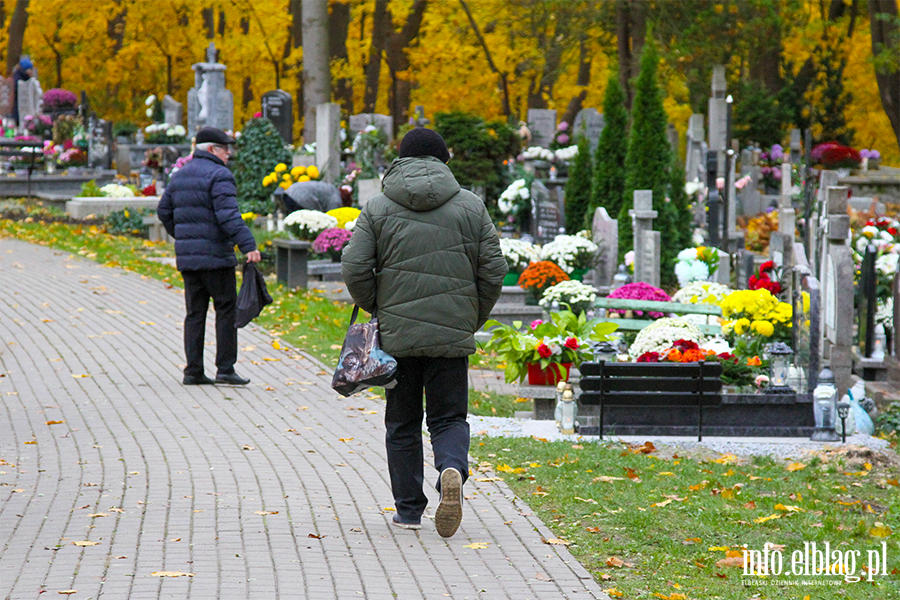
x: 363, y: 364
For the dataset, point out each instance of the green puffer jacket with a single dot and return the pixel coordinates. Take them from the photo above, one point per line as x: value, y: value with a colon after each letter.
x: 426, y: 253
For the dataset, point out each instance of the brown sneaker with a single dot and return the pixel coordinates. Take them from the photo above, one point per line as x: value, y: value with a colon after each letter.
x: 449, y: 512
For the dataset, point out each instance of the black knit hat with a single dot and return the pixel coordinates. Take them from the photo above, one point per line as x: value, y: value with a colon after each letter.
x: 424, y: 142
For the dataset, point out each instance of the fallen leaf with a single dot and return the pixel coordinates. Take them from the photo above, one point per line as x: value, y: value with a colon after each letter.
x: 477, y: 545
x: 541, y: 577
x: 118, y: 510
x: 67, y: 592
x: 54, y: 422
x: 508, y: 469
x: 86, y: 543
x: 607, y: 478
x: 614, y: 592
x: 97, y: 515
x: 488, y: 479
x: 170, y: 574
x: 247, y: 447
x: 80, y: 376
x: 31, y: 442
x: 731, y: 561
x: 345, y: 439
x: 556, y: 542
x: 750, y: 505
x: 175, y: 540
x: 788, y: 508
x: 795, y: 466
x: 18, y: 491
x: 276, y: 345
x: 592, y: 529
x: 315, y: 536
x: 663, y: 503
x: 266, y: 512
x: 764, y: 519
x: 336, y: 347
x: 880, y: 530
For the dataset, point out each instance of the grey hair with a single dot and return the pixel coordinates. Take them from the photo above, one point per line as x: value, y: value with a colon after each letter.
x: 206, y: 146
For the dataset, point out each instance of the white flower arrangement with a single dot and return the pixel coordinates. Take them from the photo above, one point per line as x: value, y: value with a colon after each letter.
x: 702, y: 292
x: 578, y: 296
x: 510, y: 200
x: 114, y: 190
x: 662, y: 333
x: 307, y: 224
x: 538, y: 153
x: 884, y: 313
x: 169, y: 130
x: 886, y: 264
x: 570, y: 252
x: 519, y: 254
x: 150, y: 100
x: 349, y: 225
x: 694, y: 264
x: 566, y: 154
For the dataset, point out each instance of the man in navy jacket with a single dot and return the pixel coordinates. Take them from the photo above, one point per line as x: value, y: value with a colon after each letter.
x: 199, y: 209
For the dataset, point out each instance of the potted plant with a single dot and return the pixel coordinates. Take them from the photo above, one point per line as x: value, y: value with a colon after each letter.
x: 58, y: 102
x: 832, y: 155
x: 539, y: 276
x: 331, y: 242
x: 518, y: 254
x: 573, y: 295
x: 546, y: 351
x: 306, y: 225
x: 124, y: 132
x: 574, y: 254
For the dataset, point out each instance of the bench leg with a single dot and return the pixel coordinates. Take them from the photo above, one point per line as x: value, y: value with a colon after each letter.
x: 600, y: 422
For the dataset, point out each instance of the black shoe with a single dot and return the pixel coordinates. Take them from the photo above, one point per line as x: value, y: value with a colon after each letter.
x: 197, y: 380
x: 398, y: 522
x: 231, y: 379
x: 449, y: 512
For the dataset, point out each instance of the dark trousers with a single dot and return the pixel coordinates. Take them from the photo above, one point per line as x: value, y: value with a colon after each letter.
x: 446, y: 386
x: 199, y: 287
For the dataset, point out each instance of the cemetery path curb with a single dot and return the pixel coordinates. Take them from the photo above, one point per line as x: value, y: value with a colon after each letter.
x: 274, y: 490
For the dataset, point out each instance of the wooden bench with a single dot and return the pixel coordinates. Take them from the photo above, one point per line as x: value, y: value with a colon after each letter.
x: 685, y: 385
x: 678, y: 308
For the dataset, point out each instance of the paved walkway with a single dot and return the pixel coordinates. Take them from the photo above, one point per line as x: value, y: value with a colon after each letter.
x: 112, y: 471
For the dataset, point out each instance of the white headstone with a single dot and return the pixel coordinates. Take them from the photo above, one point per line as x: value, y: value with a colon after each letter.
x: 210, y: 104
x: 605, y: 233
x: 30, y: 98
x: 383, y: 122
x: 589, y: 123
x: 174, y: 112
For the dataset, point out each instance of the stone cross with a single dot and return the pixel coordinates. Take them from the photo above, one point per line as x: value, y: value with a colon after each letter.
x: 542, y: 123
x: 819, y: 221
x: 420, y: 120
x: 750, y: 201
x: 589, y: 123
x: 718, y: 112
x: 605, y: 233
x: 647, y: 243
x: 210, y: 104
x: 328, y: 141
x: 838, y: 269
x: 796, y: 147
x: 693, y: 163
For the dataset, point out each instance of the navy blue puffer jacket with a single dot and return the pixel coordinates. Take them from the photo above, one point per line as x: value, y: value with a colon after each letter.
x: 199, y: 209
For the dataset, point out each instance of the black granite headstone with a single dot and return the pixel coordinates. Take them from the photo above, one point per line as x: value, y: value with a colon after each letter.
x: 278, y: 107
x: 546, y: 219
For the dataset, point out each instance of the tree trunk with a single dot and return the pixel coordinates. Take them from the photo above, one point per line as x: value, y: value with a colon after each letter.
x: 316, y: 67
x: 169, y: 74
x: 209, y: 22
x: 885, y: 34
x: 553, y: 49
x: 583, y: 81
x: 398, y: 62
x: 504, y: 77
x: 765, y: 62
x: 16, y: 33
x: 338, y: 29
x: 623, y: 43
x: 296, y: 9
x: 381, y: 25
x: 637, y: 14
x: 115, y: 29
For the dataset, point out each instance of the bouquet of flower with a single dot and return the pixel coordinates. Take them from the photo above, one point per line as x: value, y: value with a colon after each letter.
x: 153, y: 158
x: 682, y: 351
x: 696, y: 264
x: 518, y: 254
x: 307, y: 224
x: 765, y: 281
x: 701, y: 292
x: 571, y: 252
x: 754, y: 318
x: 38, y: 125
x: 154, y: 108
x: 248, y: 218
x: 73, y: 157
x: 539, y: 276
x: 514, y: 198
x: 179, y: 164
x: 759, y: 230
x: 163, y: 133
x: 571, y: 294
x: 883, y: 233
x: 561, y: 137
x: 770, y: 166
x: 566, y: 154
x: 332, y: 241
x: 114, y: 190
x: 562, y: 340
x: 537, y: 153
x: 59, y: 99
x: 833, y: 155
x: 368, y: 147
x: 285, y: 178
x: 873, y: 156
x: 662, y: 334
x: 150, y: 190
x: 640, y: 291
x: 344, y: 215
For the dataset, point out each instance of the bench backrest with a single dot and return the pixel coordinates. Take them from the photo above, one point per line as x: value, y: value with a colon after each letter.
x: 679, y: 308
x: 651, y: 384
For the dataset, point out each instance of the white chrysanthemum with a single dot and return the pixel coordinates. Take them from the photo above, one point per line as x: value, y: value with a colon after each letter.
x: 884, y: 312
x: 114, y: 190
x: 570, y: 252
x: 887, y: 263
x: 698, y: 292
x: 870, y: 231
x: 309, y: 223
x: 518, y: 254
x: 662, y: 333
x: 567, y: 153
x: 574, y: 293
x: 149, y: 113
x: 537, y: 153
x: 150, y: 100
x: 349, y: 225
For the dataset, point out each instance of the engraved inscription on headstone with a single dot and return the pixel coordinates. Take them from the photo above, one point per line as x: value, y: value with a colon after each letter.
x: 545, y: 216
x: 278, y: 107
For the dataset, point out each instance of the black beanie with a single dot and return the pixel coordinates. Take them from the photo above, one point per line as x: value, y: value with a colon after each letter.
x: 424, y: 142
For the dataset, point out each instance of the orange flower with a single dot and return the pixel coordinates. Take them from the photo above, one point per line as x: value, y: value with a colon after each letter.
x: 692, y: 356
x: 674, y: 355
x: 541, y: 275
x: 754, y: 362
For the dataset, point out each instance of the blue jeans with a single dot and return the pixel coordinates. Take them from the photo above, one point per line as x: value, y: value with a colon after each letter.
x: 445, y: 382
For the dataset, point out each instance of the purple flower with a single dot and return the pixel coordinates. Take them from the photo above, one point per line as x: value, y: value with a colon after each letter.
x: 332, y: 239
x: 59, y: 98
x: 865, y: 153
x: 776, y: 173
x: 764, y: 156
x: 562, y: 138
x: 641, y: 291
x: 562, y: 126
x: 777, y: 152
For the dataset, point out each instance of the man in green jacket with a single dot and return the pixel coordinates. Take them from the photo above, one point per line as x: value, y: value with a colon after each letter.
x: 426, y: 255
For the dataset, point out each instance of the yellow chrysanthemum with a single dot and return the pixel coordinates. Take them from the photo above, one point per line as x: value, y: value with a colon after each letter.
x: 303, y: 178
x: 312, y: 171
x: 763, y: 328
x: 741, y: 325
x: 344, y: 215
x: 284, y: 185
x: 298, y: 171
x: 280, y: 167
x: 287, y: 177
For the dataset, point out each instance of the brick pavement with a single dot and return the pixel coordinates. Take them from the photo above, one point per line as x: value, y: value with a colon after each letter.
x: 162, y: 477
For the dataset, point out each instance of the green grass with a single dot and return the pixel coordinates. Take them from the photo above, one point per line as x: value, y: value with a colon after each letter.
x: 492, y: 404
x: 601, y: 499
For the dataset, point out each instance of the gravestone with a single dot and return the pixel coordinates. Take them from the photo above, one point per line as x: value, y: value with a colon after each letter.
x: 589, y: 123
x: 30, y: 98
x: 210, y: 104
x: 545, y: 216
x: 383, y: 122
x: 746, y: 267
x: 693, y: 164
x: 99, y: 143
x: 796, y: 147
x: 420, y: 120
x: 749, y: 198
x: 278, y: 107
x: 718, y: 112
x: 542, y: 123
x: 838, y: 269
x: 328, y: 141
x: 646, y: 242
x: 7, y: 96
x: 173, y: 111
x: 674, y: 140
x: 605, y: 233
x: 367, y: 189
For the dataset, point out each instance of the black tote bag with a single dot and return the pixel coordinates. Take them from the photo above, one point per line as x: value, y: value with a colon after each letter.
x: 363, y: 364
